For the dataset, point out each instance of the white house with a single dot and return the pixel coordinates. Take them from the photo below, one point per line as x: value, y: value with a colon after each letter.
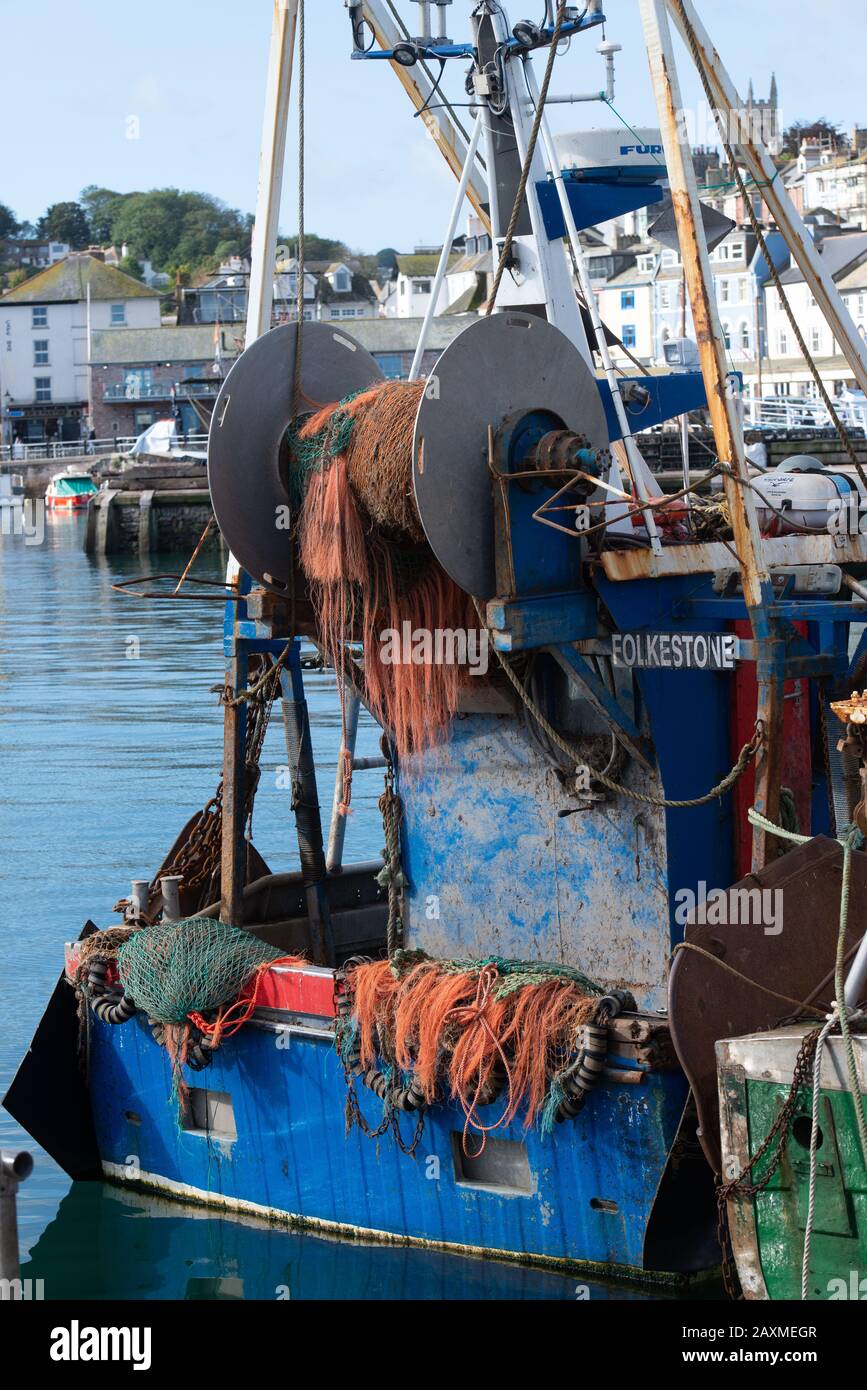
x: 787, y: 372
x: 408, y: 295
x: 45, y: 325
x: 626, y: 307
x: 840, y: 185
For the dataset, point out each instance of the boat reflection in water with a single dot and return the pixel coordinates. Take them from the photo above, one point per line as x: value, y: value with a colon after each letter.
x: 110, y: 1243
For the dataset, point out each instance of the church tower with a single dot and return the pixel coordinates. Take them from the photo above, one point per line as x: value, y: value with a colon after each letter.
x: 763, y: 117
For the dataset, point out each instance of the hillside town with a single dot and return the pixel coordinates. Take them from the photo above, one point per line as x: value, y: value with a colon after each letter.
x: 99, y: 344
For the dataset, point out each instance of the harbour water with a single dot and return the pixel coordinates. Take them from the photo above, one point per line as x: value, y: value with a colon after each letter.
x: 111, y: 737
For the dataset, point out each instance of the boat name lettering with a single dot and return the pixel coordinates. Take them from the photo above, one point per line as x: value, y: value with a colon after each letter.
x: 676, y: 651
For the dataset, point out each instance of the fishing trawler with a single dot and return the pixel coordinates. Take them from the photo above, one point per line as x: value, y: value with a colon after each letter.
x: 501, y: 1037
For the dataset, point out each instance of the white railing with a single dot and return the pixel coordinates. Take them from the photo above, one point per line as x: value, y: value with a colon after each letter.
x: 800, y: 413
x: 82, y: 448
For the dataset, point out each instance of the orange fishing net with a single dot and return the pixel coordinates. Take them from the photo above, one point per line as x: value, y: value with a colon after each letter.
x: 370, y: 570
x: 473, y: 1027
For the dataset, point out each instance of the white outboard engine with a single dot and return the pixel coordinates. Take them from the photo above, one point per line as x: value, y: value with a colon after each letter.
x: 802, y: 493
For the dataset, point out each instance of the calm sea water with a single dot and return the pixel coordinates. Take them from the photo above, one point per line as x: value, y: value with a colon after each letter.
x: 105, y: 756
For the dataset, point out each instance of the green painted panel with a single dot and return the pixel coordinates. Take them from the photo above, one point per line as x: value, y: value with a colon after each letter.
x: 838, y: 1267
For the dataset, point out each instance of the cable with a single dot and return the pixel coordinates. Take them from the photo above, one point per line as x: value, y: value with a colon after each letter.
x: 699, y: 60
x: 531, y: 150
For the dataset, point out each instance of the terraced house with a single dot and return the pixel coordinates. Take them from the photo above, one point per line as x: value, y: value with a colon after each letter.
x: 47, y: 325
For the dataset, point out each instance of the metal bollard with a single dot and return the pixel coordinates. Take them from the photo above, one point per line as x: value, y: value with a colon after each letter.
x: 171, y: 886
x: 139, y: 895
x: 14, y: 1169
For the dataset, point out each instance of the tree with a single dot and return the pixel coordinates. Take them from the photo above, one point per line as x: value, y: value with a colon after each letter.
x: 820, y: 129
x: 171, y: 228
x: 102, y: 206
x: 65, y: 222
x: 317, y: 248
x: 130, y: 266
x: 8, y: 222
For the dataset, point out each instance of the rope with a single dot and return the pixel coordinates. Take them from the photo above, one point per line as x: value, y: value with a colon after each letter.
x: 745, y: 757
x: 391, y: 875
x: 531, y: 150
x: 745, y: 979
x: 814, y: 1149
x: 850, y: 839
x: 698, y: 58
x: 267, y: 676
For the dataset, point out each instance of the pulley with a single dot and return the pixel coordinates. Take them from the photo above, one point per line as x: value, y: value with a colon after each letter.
x: 248, y: 461
x: 511, y: 370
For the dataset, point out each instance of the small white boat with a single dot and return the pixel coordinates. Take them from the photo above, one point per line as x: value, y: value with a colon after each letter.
x: 70, y: 490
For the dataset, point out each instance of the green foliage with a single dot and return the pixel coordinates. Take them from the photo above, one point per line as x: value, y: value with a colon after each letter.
x: 812, y: 130
x: 8, y: 221
x: 130, y: 266
x: 102, y: 206
x: 171, y: 228
x: 65, y: 222
x: 317, y: 248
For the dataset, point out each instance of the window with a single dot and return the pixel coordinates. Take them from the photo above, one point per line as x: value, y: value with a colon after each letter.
x: 815, y: 340
x: 627, y: 299
x: 391, y: 365
x: 784, y: 342
x: 629, y: 335
x: 745, y: 337
x: 342, y: 282
x: 118, y: 315
x: 39, y: 316
x: 43, y: 388
x: 724, y: 291
x: 669, y: 258
x: 421, y: 286
x: 664, y: 297
x: 137, y: 383
x: 40, y: 352
x: 743, y: 290
x: 727, y: 336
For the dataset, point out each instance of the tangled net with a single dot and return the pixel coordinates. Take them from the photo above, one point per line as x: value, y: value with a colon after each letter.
x: 363, y: 553
x: 472, y: 1028
x: 196, y: 974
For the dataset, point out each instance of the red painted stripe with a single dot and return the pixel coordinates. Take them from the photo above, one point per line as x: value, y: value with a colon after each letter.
x: 308, y: 991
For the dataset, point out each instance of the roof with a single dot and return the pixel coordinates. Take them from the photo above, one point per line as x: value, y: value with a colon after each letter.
x: 631, y: 278
x: 401, y: 335
x: 195, y: 342
x: 186, y: 343
x: 361, y: 291
x: 67, y: 281
x: 423, y: 263
x: 855, y: 280
x: 479, y: 261
x: 838, y: 253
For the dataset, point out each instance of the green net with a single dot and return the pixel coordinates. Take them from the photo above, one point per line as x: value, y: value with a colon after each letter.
x: 306, y: 455
x: 177, y: 968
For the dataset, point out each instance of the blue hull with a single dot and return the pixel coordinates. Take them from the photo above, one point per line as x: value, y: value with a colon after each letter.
x: 588, y: 1198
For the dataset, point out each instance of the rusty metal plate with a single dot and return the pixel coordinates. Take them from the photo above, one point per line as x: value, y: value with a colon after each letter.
x: 247, y: 458
x: 706, y: 1004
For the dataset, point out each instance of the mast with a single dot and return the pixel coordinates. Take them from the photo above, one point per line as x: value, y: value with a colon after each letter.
x: 755, y: 577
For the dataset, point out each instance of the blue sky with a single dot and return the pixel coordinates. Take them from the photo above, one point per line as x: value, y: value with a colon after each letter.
x: 193, y: 76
